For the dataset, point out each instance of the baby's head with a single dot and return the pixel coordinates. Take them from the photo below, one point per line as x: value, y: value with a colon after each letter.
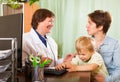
x: 85, y: 47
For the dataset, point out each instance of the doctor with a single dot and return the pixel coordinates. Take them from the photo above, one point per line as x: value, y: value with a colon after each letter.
x: 37, y: 40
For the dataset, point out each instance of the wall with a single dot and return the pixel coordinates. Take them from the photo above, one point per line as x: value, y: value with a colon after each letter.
x: 28, y: 12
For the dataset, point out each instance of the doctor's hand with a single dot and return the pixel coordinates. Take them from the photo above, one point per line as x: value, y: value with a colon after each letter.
x: 69, y: 57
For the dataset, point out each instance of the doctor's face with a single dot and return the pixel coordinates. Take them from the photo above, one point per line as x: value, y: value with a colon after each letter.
x: 46, y: 25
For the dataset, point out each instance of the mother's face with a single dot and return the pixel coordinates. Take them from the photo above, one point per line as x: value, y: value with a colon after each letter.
x: 91, y: 27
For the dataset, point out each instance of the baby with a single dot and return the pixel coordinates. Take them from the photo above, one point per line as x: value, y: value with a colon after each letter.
x: 85, y: 59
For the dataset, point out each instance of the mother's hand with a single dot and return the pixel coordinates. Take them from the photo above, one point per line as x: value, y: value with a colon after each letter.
x: 98, y: 78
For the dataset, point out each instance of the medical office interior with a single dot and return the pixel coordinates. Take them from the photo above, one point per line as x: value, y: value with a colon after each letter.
x: 70, y: 23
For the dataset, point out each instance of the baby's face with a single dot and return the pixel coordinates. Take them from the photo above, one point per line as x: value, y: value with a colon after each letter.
x: 84, y: 55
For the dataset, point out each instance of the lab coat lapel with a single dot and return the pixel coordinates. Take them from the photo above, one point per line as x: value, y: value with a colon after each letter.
x: 37, y: 42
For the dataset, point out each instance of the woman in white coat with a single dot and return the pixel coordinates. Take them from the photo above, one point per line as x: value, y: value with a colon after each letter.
x: 37, y: 41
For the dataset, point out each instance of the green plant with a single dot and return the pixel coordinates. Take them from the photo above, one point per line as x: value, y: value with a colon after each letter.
x: 32, y: 1
x: 15, y: 3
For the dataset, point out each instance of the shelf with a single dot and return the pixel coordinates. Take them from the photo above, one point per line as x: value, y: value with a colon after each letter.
x: 8, y: 61
x: 5, y: 76
x: 5, y: 53
x: 4, y: 65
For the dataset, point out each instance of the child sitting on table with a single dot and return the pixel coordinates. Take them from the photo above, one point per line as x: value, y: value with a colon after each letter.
x: 86, y: 59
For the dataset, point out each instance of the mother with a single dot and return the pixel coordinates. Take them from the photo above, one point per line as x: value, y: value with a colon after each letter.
x: 98, y: 24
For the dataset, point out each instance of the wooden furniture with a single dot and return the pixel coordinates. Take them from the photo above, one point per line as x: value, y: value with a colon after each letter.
x: 27, y: 11
x: 67, y: 77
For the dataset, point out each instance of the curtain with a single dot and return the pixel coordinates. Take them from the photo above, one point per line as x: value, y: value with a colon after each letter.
x: 71, y: 19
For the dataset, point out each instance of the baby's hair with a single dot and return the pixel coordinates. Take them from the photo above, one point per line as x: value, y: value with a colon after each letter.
x: 86, y: 43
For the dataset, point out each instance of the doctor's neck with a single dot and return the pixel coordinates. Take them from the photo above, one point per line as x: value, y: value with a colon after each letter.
x: 41, y: 32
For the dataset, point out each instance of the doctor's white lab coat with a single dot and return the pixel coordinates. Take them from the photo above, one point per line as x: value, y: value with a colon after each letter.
x: 33, y: 45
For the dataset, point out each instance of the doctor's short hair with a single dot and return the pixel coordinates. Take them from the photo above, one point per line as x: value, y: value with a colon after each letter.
x: 39, y: 16
x: 85, y: 43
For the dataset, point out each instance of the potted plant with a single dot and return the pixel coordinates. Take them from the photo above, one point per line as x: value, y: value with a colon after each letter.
x: 15, y: 3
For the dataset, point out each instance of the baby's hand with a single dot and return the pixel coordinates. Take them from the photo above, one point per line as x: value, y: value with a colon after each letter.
x: 60, y: 66
x: 71, y: 67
